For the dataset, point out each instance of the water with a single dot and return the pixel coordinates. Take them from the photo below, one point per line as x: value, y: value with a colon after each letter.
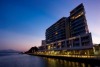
x: 23, y: 60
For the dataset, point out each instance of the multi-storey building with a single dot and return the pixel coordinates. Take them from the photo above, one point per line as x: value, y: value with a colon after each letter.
x: 69, y: 35
x: 43, y: 42
x: 57, y: 31
x: 79, y: 33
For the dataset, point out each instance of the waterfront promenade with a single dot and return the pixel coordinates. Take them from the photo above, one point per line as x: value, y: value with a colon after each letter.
x: 76, y: 58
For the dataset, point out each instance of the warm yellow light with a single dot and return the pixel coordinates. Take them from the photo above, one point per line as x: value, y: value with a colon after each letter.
x: 85, y: 52
x: 59, y: 43
x: 73, y: 18
x: 56, y: 33
x: 49, y: 47
x: 78, y: 15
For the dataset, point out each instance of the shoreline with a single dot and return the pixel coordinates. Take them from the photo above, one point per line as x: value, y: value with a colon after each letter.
x: 93, y: 61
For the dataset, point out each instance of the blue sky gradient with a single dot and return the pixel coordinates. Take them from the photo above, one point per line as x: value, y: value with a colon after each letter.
x: 23, y: 22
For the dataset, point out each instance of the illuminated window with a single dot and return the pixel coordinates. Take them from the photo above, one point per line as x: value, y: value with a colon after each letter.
x: 80, y: 14
x: 56, y: 33
x: 59, y: 43
x: 49, y: 47
x: 73, y: 18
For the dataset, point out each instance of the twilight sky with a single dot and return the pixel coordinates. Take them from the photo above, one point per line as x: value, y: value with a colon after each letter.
x: 23, y: 22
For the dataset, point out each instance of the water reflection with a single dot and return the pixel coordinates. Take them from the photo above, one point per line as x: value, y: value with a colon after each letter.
x: 36, y: 61
x: 63, y: 63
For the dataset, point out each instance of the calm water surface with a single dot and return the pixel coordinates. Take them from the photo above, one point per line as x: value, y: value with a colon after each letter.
x: 23, y: 60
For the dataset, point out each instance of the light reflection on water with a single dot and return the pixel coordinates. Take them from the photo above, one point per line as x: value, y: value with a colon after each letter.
x: 63, y: 63
x: 20, y: 60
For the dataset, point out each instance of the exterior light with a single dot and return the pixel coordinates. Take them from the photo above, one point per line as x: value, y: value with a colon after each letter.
x: 85, y: 52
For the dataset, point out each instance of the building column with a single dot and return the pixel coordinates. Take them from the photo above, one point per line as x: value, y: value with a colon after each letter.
x: 65, y: 44
x: 72, y: 43
x: 56, y: 45
x: 80, y: 41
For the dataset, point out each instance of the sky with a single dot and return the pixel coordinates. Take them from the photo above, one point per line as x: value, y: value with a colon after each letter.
x: 23, y: 22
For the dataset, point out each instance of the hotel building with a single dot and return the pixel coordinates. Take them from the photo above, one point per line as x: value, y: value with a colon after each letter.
x: 69, y: 35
